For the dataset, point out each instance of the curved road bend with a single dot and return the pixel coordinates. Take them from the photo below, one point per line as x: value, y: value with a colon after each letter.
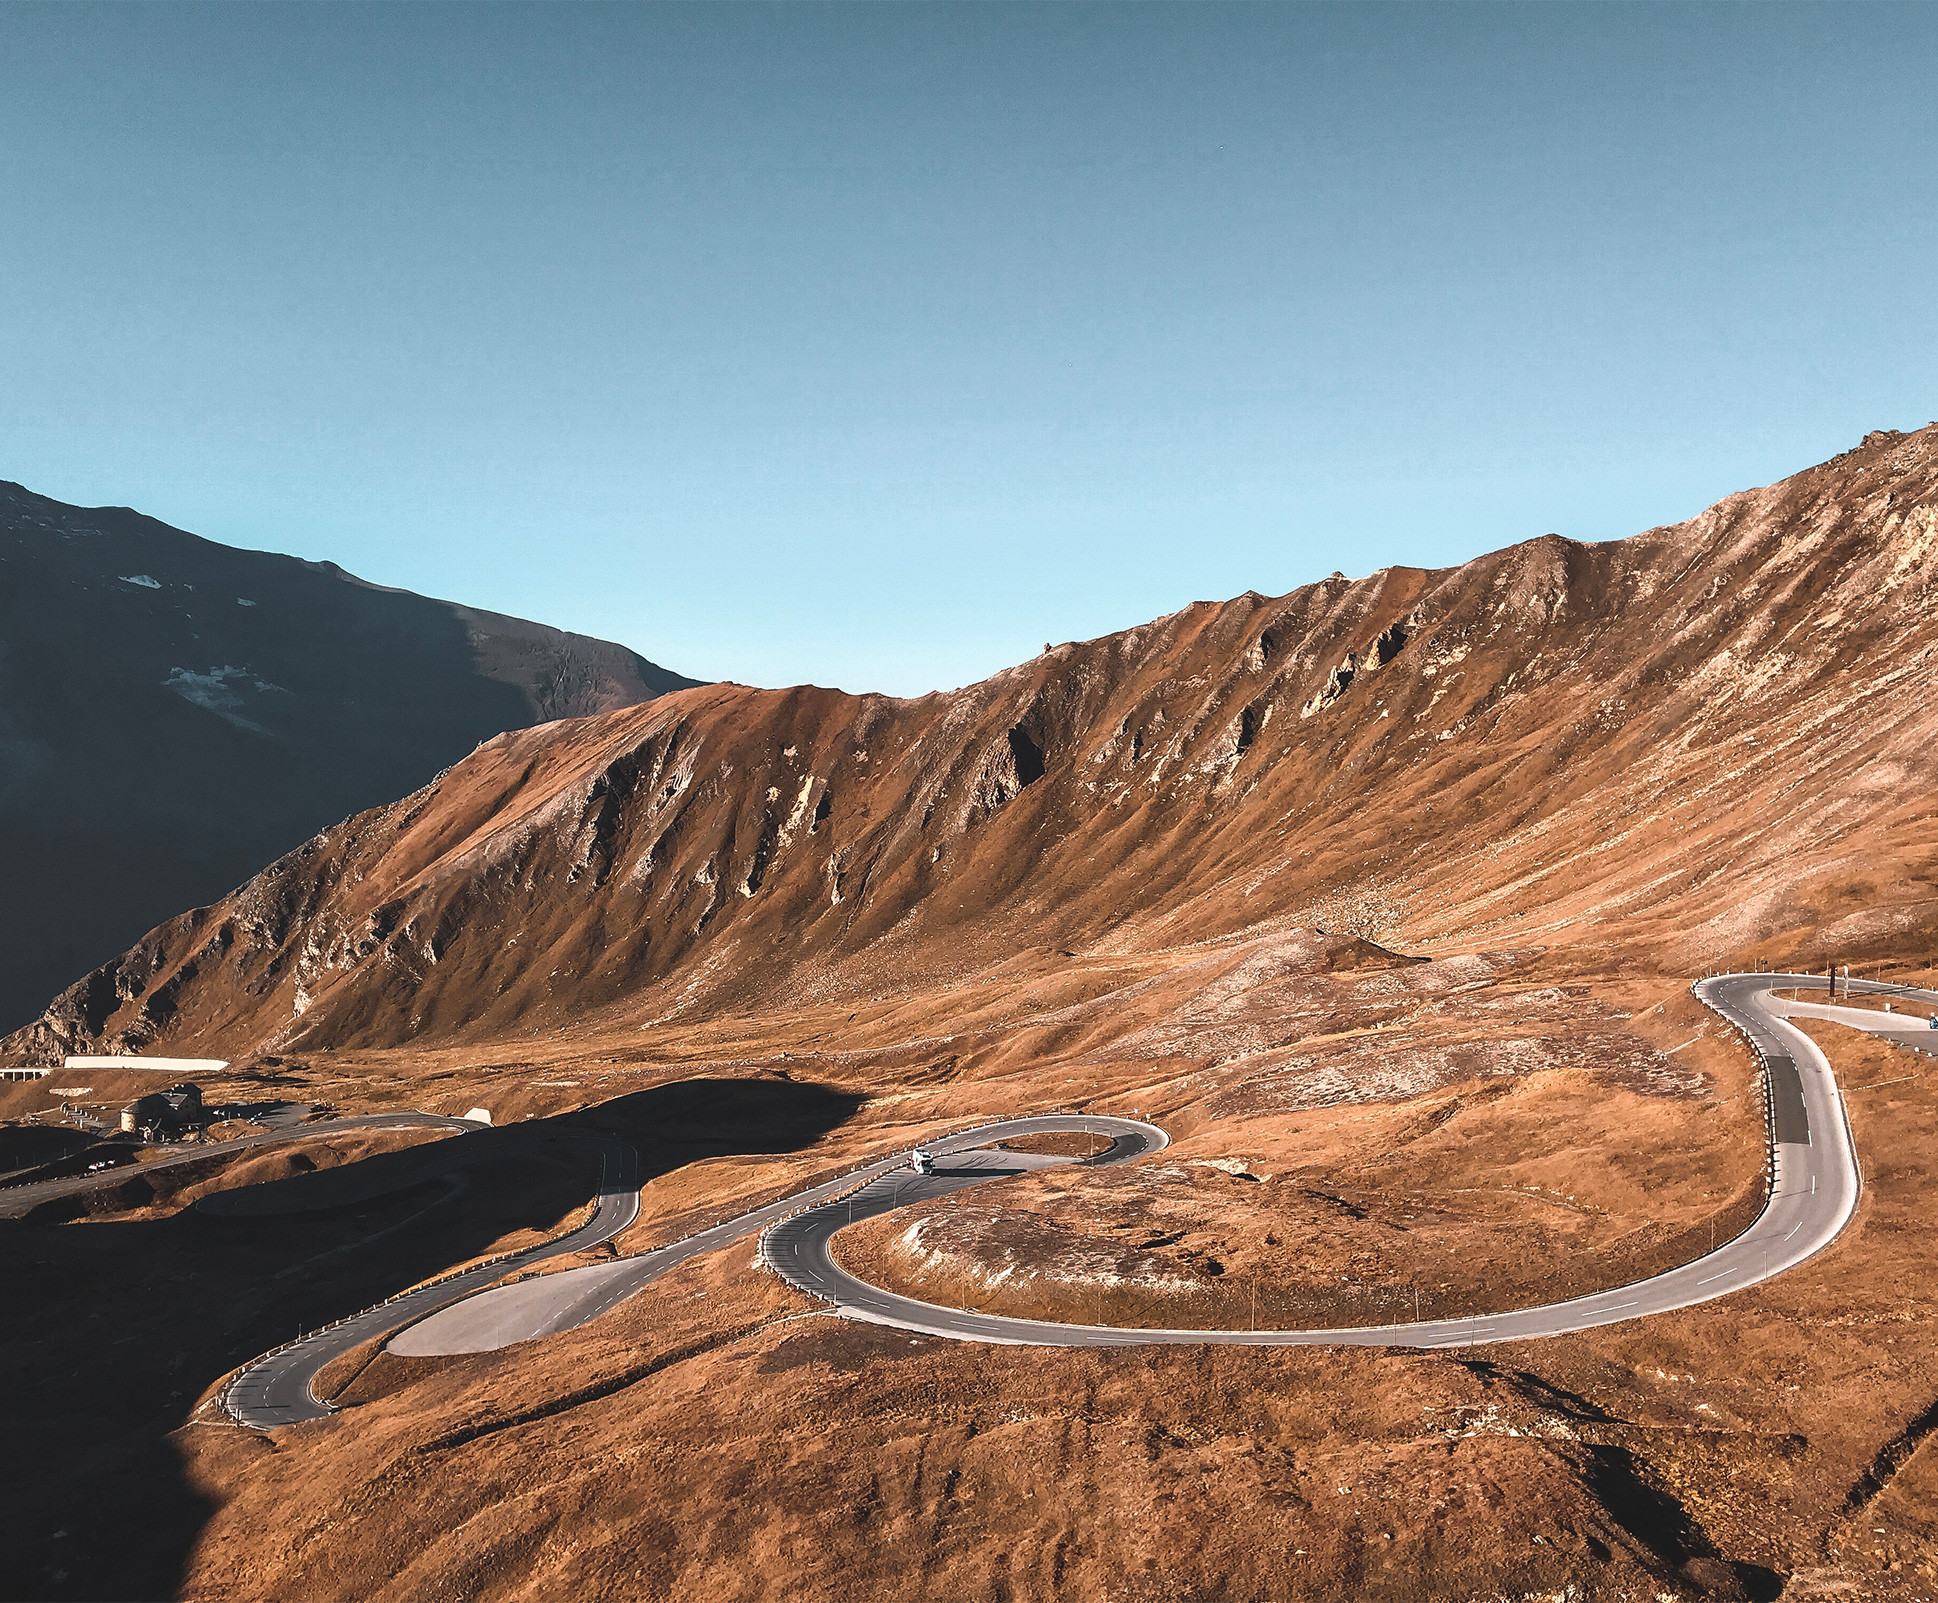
x: 564, y: 1301
x: 1813, y: 1194
x: 276, y: 1388
x: 21, y: 1199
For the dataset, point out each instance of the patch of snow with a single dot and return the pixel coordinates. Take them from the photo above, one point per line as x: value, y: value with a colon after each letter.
x: 213, y: 692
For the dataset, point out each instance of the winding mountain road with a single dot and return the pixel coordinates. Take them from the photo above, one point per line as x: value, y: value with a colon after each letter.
x: 277, y: 1389
x: 457, y: 1315
x: 1814, y: 1191
x: 545, y: 1306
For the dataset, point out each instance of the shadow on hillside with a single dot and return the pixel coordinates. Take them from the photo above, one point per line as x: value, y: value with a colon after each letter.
x: 115, y: 1327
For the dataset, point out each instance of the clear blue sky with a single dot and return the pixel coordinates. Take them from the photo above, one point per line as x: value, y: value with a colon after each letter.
x: 876, y: 347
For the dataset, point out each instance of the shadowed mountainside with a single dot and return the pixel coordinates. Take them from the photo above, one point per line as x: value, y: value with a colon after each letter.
x: 1704, y: 740
x: 175, y: 713
x: 196, y: 1291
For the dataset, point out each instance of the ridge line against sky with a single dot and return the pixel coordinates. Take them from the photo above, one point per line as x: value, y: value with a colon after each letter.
x: 874, y: 346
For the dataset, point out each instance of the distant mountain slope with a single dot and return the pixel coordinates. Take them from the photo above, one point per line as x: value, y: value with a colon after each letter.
x: 175, y: 714
x: 1704, y: 744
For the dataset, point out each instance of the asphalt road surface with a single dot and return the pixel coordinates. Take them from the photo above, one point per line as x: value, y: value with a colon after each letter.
x: 276, y: 1388
x: 1815, y: 1191
x: 1910, y: 1031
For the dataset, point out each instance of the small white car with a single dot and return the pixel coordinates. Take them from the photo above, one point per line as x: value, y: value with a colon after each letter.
x: 922, y: 1162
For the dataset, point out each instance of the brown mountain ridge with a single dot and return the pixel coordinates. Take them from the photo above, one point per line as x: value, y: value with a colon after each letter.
x: 1687, y: 745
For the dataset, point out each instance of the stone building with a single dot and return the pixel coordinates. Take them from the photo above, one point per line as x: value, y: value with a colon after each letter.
x: 165, y: 1115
